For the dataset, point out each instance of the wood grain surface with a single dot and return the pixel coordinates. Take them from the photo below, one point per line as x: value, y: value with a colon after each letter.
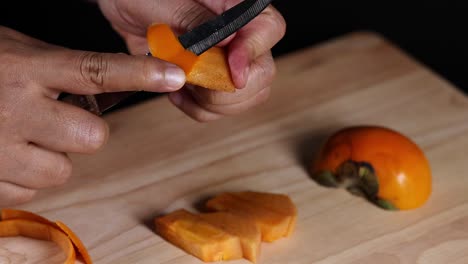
x: 158, y: 160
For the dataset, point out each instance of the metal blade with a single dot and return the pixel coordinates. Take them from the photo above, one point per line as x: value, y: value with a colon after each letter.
x: 213, y: 31
x: 97, y: 104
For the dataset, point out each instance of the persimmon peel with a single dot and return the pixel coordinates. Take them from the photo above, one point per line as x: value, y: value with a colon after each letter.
x: 23, y: 223
x: 209, y: 70
x: 378, y: 163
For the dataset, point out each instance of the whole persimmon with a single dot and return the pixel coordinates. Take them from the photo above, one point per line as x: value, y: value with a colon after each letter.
x: 379, y: 163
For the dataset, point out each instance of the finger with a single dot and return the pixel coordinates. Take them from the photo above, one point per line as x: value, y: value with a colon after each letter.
x: 12, y: 194
x: 261, y: 74
x: 137, y: 45
x: 184, y: 101
x: 83, y: 72
x: 181, y: 15
x: 64, y: 128
x: 32, y: 167
x: 254, y: 39
x: 237, y: 108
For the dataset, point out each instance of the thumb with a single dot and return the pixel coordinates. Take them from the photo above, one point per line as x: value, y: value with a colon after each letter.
x: 84, y: 72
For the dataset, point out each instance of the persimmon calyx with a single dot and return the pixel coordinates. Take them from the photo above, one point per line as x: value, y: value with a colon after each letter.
x: 358, y: 178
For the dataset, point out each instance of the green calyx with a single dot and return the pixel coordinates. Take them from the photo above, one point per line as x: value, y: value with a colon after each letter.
x: 358, y: 178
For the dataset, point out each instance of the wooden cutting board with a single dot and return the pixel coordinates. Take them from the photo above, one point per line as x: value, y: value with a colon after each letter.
x: 158, y: 160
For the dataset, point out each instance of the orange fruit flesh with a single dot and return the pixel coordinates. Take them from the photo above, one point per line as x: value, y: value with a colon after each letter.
x: 209, y: 70
x: 198, y: 237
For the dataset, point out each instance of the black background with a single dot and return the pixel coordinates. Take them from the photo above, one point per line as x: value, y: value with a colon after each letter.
x: 435, y: 33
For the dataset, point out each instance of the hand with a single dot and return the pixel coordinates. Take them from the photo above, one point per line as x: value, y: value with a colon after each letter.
x: 36, y: 130
x: 250, y: 60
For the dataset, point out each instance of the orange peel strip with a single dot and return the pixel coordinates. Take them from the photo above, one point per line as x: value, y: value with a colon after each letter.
x: 38, y: 230
x: 76, y: 242
x: 14, y: 214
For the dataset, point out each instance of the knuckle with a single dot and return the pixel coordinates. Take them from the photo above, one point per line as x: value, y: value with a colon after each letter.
x: 205, y: 96
x: 267, y: 70
x: 263, y: 95
x: 22, y: 196
x: 189, y: 14
x: 201, y: 118
x: 63, y: 172
x: 278, y: 20
x: 6, y: 113
x: 13, y: 61
x: 93, y: 69
x: 95, y: 134
x: 8, y: 57
x: 147, y: 74
x: 51, y: 172
x: 204, y: 116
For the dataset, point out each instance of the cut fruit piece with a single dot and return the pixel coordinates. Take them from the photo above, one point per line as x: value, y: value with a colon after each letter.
x: 198, y: 237
x: 41, y: 231
x: 279, y: 203
x: 209, y: 70
x: 273, y: 224
x: 244, y: 228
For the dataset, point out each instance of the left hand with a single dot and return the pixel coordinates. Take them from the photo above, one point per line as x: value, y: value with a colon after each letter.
x: 249, y: 56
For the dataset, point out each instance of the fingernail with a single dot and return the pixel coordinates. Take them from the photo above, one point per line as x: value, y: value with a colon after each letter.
x: 175, y: 77
x: 176, y: 98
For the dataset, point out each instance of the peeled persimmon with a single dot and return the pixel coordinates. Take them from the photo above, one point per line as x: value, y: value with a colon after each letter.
x: 379, y: 163
x: 208, y: 70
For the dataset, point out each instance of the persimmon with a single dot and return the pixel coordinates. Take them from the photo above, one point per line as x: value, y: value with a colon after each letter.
x: 209, y: 70
x: 379, y: 163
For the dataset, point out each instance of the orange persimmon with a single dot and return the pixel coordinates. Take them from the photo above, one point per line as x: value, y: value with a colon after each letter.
x: 209, y: 70
x: 198, y: 237
x: 8, y: 214
x: 379, y: 163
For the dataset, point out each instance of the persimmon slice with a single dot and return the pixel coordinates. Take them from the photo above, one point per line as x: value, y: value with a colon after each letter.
x: 273, y: 224
x: 247, y: 231
x: 198, y: 237
x: 209, y: 70
x: 41, y: 231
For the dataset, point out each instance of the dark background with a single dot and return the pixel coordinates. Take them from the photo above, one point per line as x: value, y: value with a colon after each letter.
x: 435, y: 33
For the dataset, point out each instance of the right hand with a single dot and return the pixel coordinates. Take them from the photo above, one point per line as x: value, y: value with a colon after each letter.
x: 36, y: 130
